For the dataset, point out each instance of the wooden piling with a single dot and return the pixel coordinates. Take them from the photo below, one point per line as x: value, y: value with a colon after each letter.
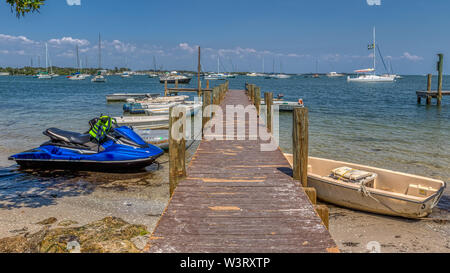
x: 311, y: 193
x: 300, y: 144
x: 176, y: 83
x: 428, y: 88
x: 440, y: 67
x: 257, y: 100
x: 324, y: 214
x: 206, y: 114
x: 177, y: 147
x: 207, y: 84
x: 268, y: 100
x: 165, y: 88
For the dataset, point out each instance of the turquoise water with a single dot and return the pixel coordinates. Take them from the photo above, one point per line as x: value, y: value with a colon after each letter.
x: 378, y: 124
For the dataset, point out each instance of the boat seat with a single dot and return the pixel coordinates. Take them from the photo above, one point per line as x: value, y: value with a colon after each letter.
x: 67, y: 136
x: 351, y: 175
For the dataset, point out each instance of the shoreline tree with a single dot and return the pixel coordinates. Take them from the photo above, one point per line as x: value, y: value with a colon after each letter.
x: 23, y: 7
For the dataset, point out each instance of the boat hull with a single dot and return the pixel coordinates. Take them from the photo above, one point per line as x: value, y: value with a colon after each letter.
x: 87, y: 165
x: 387, y: 196
x: 181, y: 81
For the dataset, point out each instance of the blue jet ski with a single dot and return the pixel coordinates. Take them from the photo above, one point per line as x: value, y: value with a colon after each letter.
x: 105, y: 147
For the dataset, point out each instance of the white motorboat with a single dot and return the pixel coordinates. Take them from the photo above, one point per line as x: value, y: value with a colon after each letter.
x: 173, y: 76
x: 280, y: 76
x: 334, y: 74
x: 99, y: 78
x: 144, y: 122
x: 77, y: 77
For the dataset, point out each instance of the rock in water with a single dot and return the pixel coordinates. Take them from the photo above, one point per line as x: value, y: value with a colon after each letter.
x: 111, y: 234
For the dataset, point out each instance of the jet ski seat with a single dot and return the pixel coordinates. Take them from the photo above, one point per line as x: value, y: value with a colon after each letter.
x: 67, y: 136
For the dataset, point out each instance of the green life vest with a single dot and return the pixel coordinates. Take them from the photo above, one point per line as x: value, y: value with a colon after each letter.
x: 103, y: 126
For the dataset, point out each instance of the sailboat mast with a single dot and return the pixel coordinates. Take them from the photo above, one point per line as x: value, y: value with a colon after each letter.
x: 263, y: 65
x: 99, y: 52
x: 46, y: 57
x: 78, y: 58
x: 374, y: 51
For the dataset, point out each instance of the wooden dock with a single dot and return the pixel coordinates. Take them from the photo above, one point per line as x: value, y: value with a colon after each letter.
x: 237, y: 198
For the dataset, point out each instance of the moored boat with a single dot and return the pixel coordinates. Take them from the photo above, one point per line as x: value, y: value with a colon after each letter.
x: 373, y: 189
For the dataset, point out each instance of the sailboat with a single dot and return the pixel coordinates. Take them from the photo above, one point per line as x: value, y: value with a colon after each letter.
x: 44, y: 75
x: 99, y: 77
x: 216, y: 76
x: 153, y: 75
x: 280, y: 75
x: 364, y: 76
x: 77, y: 76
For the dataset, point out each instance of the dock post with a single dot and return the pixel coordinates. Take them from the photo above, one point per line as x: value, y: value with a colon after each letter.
x: 177, y: 146
x: 300, y: 144
x: 324, y: 214
x: 429, y: 88
x: 207, y: 84
x: 439, y: 90
x: 268, y: 100
x: 206, y: 114
x: 176, y: 84
x: 165, y: 88
x: 251, y: 86
x: 312, y: 194
x: 257, y: 100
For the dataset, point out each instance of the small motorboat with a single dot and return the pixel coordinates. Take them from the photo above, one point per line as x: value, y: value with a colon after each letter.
x: 373, y: 189
x: 105, y: 147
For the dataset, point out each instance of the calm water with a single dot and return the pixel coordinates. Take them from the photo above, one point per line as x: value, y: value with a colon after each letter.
x: 377, y: 124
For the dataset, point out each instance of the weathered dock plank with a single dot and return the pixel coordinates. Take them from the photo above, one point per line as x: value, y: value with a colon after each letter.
x: 237, y: 198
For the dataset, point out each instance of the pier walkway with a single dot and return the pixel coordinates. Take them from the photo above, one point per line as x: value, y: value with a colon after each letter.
x: 237, y: 198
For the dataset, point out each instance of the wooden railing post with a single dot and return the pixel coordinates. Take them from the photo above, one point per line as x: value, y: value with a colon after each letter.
x: 268, y: 100
x: 429, y: 88
x: 176, y: 84
x: 206, y: 113
x: 257, y: 100
x: 177, y: 146
x: 439, y: 89
x: 300, y: 144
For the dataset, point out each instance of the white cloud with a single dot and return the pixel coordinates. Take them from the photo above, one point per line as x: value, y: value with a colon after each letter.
x: 21, y: 39
x: 121, y: 46
x: 70, y: 41
x: 408, y: 56
x: 187, y: 47
x: 73, y: 2
x: 374, y: 2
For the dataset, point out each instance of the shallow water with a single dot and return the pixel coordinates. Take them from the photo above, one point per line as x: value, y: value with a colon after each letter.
x: 377, y: 124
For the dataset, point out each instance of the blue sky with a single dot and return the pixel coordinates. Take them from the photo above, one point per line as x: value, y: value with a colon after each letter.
x: 292, y: 34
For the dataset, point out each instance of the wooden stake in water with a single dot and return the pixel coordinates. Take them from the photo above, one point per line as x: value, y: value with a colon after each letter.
x: 429, y: 88
x: 440, y: 65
